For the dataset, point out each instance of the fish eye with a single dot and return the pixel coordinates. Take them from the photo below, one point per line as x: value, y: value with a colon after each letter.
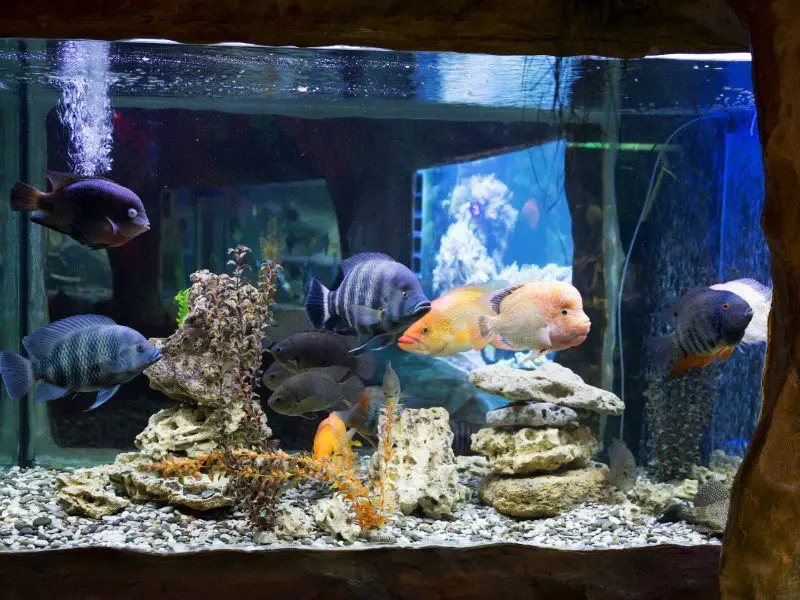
x: 132, y: 212
x: 405, y: 294
x: 564, y: 311
x: 278, y: 351
x: 424, y: 330
x: 725, y: 306
x: 140, y: 348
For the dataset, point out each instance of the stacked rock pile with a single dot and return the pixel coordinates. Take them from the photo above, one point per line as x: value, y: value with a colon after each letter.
x: 538, y: 451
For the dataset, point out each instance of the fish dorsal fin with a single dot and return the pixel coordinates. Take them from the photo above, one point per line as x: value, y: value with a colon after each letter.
x: 40, y: 343
x: 693, y: 293
x: 712, y: 491
x: 348, y: 263
x: 61, y: 180
x: 495, y: 299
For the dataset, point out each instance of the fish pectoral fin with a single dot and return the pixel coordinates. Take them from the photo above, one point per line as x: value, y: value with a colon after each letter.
x: 47, y: 391
x: 366, y: 316
x: 726, y: 354
x: 379, y: 342
x: 691, y: 362
x: 104, y: 396
x: 114, y: 227
x: 51, y: 222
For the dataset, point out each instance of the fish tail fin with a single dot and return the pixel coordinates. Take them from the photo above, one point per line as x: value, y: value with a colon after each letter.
x: 366, y: 365
x: 17, y: 373
x: 352, y: 390
x: 25, y: 197
x: 317, y: 304
x: 660, y: 349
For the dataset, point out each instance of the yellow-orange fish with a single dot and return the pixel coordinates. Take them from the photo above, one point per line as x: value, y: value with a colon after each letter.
x: 333, y: 440
x: 539, y: 315
x: 451, y: 326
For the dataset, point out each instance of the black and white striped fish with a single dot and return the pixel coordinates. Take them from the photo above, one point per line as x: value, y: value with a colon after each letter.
x: 377, y: 300
x: 707, y: 324
x: 86, y: 353
x: 462, y: 436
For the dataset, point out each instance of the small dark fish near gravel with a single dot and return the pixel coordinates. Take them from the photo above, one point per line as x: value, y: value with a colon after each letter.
x: 708, y: 324
x: 86, y: 353
x: 94, y: 211
x: 316, y: 390
x: 377, y: 299
x: 622, y: 466
x: 312, y: 349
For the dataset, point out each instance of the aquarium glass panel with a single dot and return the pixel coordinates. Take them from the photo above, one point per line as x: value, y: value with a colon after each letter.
x: 245, y: 277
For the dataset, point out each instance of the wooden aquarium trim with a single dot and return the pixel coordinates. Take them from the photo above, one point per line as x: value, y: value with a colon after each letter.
x: 624, y: 28
x: 493, y: 571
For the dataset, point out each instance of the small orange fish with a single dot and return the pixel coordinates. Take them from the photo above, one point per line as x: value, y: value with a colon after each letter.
x: 451, y: 325
x: 333, y: 440
x: 540, y: 316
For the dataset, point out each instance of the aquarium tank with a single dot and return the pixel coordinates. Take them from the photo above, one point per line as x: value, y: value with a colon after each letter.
x: 343, y: 296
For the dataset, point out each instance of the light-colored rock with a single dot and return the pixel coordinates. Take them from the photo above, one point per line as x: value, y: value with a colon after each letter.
x: 652, y: 498
x: 181, y: 431
x: 143, y: 486
x: 422, y: 471
x: 721, y: 467
x: 88, y: 493
x: 528, y: 450
x: 549, y: 383
x: 538, y: 414
x: 474, y: 466
x: 544, y: 495
x: 686, y: 489
x: 331, y: 515
x: 294, y: 523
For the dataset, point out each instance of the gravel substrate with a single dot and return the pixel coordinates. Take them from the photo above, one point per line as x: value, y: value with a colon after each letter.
x: 31, y: 519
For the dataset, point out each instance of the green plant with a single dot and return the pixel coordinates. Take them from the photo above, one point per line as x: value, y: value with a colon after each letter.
x: 182, y: 300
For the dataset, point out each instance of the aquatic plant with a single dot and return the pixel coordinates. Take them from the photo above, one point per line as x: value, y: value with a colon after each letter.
x: 182, y: 300
x: 274, y: 471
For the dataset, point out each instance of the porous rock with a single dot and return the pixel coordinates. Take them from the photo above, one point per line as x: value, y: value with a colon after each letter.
x: 549, y: 383
x: 652, y: 498
x: 294, y: 523
x: 544, y: 495
x: 528, y: 450
x: 473, y: 466
x: 200, y: 494
x: 88, y: 493
x: 538, y: 414
x: 181, y: 431
x: 422, y: 472
x: 331, y: 515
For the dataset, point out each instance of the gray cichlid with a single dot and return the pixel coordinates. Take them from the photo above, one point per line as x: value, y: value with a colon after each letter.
x: 315, y: 390
x: 94, y: 211
x: 622, y: 466
x: 86, y: 353
x: 275, y: 375
x: 462, y: 436
x: 391, y: 384
x: 314, y: 349
x: 377, y: 299
x: 708, y: 324
x: 759, y: 297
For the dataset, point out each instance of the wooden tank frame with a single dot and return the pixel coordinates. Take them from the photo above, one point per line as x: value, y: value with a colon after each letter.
x: 761, y: 553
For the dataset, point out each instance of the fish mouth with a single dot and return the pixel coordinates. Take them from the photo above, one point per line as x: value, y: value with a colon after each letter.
x: 154, y: 357
x: 407, y: 340
x: 421, y: 309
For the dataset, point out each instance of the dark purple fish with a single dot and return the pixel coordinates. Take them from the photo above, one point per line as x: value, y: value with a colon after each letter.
x: 93, y: 211
x: 462, y: 436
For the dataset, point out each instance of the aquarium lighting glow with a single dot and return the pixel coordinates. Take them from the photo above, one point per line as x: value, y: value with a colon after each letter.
x: 724, y: 57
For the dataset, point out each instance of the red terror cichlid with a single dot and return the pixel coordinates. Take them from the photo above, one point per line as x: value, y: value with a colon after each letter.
x: 93, y: 211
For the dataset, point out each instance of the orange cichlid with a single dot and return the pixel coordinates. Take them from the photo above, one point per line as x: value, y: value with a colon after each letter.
x: 541, y: 316
x: 332, y: 440
x: 451, y: 325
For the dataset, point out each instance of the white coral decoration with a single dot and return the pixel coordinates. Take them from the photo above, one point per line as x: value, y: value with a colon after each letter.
x: 513, y: 273
x: 462, y: 258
